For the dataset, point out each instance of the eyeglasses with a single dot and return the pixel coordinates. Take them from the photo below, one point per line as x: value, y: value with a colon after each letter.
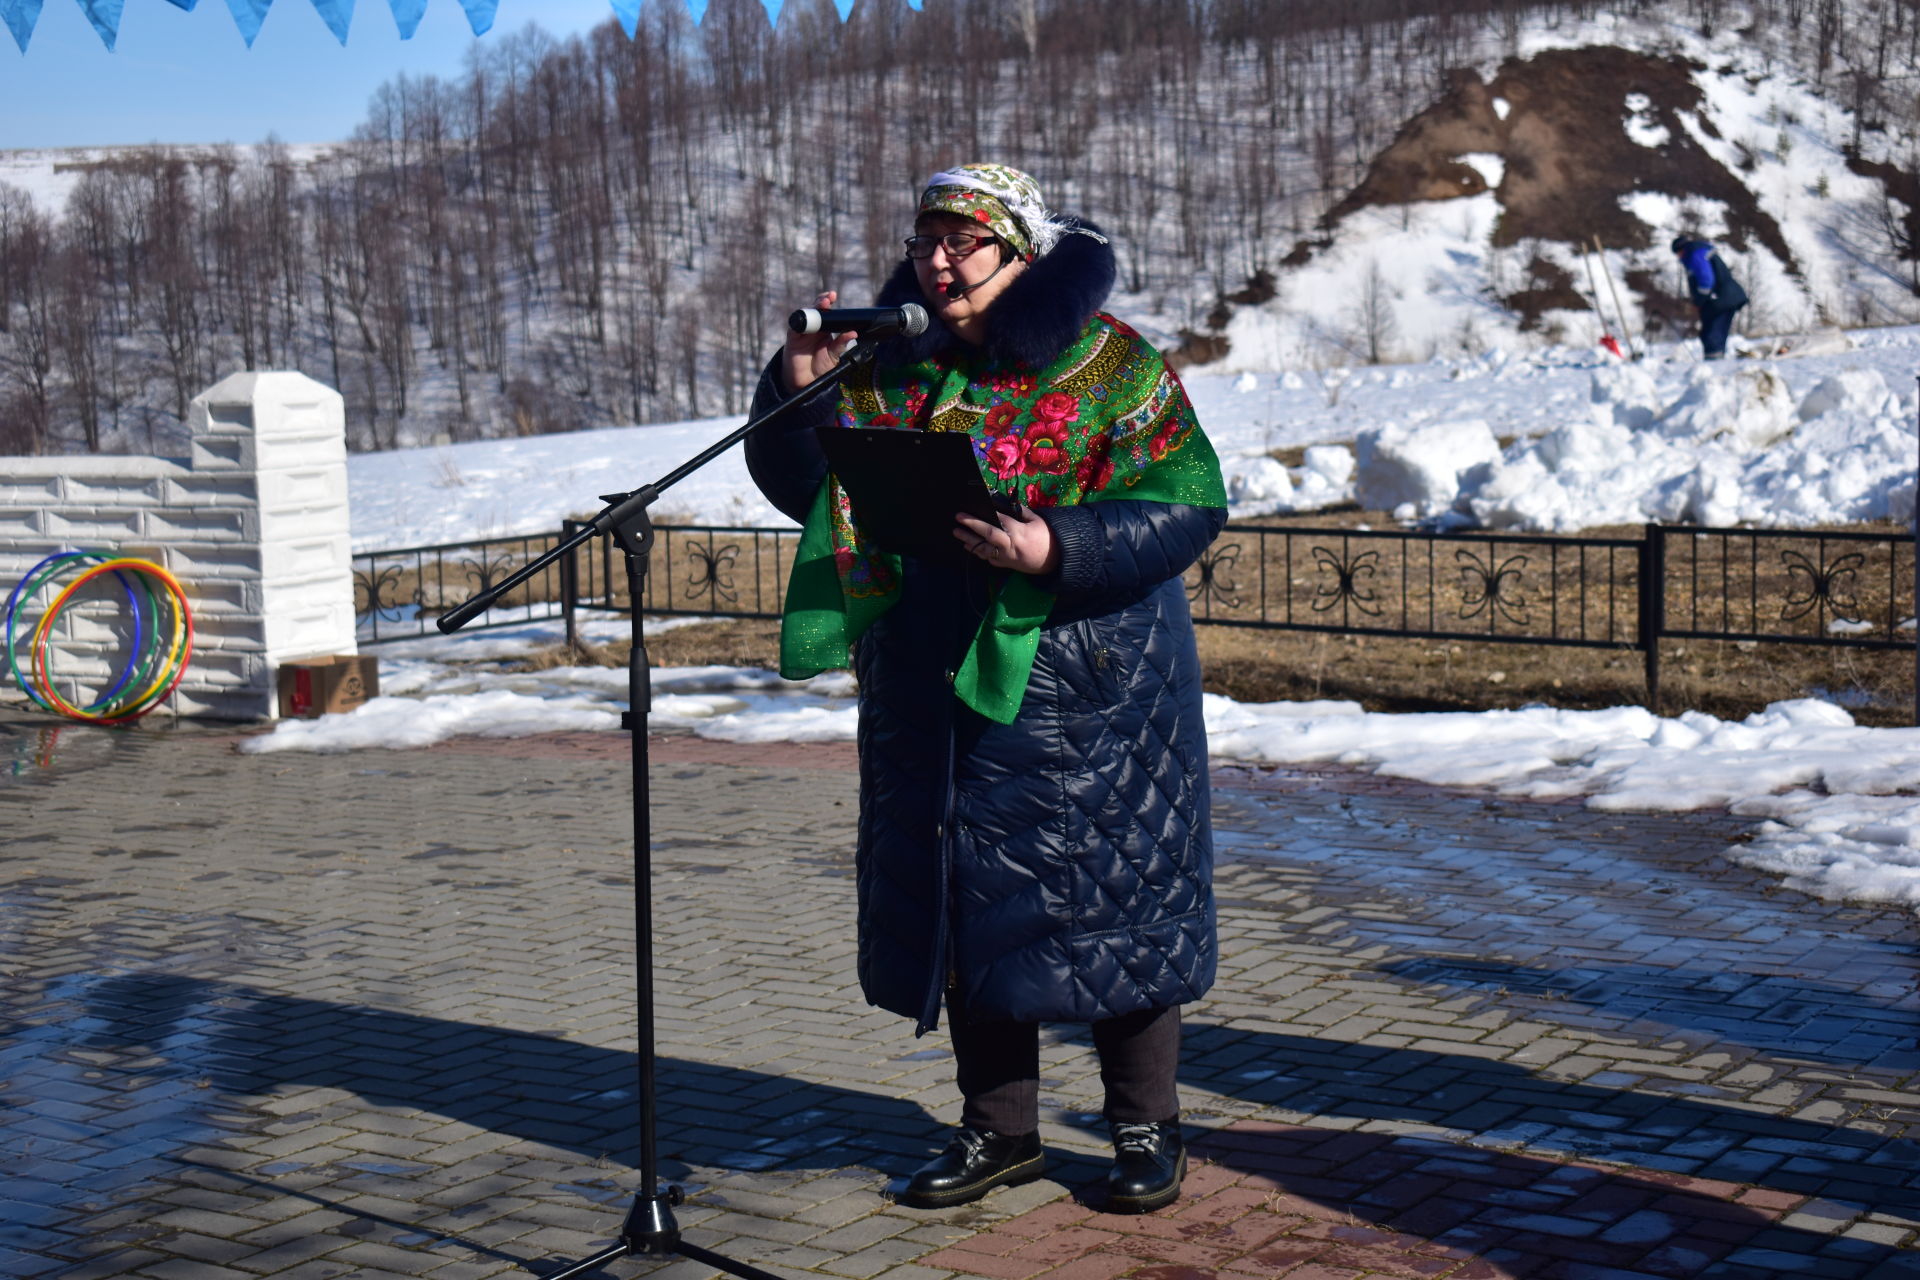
x: 958, y: 244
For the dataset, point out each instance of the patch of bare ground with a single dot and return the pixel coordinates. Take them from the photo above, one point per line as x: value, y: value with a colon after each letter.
x: 1725, y: 679
x: 1567, y: 161
x: 1903, y: 211
x: 1405, y: 675
x: 730, y: 642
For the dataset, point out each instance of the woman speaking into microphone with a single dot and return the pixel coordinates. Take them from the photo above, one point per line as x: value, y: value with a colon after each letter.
x: 1034, y: 841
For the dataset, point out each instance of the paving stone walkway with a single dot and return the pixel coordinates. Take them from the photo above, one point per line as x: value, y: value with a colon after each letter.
x: 370, y: 1015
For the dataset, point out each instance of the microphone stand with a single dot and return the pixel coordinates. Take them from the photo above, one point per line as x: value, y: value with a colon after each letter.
x: 649, y: 1228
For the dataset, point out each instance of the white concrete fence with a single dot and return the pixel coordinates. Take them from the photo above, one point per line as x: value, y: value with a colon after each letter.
x: 253, y: 523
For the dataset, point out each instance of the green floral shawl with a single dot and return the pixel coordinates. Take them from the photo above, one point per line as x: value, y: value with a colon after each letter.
x: 1107, y: 419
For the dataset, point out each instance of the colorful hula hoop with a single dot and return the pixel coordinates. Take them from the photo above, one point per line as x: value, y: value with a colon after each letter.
x: 154, y: 666
x: 44, y: 572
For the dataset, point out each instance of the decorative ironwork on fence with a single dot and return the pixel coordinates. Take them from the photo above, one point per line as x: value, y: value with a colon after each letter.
x: 697, y: 571
x: 397, y: 594
x: 1852, y: 589
x: 1673, y: 582
x: 1519, y: 589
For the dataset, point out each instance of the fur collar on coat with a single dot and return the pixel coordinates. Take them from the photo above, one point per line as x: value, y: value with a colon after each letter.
x: 1039, y: 316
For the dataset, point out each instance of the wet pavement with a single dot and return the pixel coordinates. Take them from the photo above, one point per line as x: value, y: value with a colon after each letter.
x: 371, y: 1015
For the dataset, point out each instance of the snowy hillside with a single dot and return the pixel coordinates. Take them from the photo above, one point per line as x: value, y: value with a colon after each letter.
x: 49, y: 176
x: 1472, y: 227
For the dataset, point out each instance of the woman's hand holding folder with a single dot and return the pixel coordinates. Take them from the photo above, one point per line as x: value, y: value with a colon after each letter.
x: 1022, y: 541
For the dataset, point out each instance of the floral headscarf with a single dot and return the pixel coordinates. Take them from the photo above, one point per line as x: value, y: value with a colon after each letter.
x: 1004, y: 199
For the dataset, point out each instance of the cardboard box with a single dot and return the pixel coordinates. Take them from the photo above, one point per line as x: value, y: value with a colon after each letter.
x: 334, y: 682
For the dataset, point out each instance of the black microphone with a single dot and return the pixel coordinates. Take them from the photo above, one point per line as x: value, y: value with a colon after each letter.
x: 909, y: 320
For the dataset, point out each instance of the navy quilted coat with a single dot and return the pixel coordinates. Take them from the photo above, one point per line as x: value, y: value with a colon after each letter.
x: 1059, y: 867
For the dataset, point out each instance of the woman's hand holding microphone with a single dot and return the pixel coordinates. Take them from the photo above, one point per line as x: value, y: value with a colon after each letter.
x: 811, y: 355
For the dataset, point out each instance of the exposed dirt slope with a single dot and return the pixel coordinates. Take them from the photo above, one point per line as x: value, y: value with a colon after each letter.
x: 1568, y: 158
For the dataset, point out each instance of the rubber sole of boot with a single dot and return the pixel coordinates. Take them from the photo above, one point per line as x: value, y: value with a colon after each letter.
x: 1012, y: 1176
x: 1158, y: 1200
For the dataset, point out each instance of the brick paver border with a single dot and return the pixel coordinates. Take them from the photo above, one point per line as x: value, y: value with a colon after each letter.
x: 1270, y: 1199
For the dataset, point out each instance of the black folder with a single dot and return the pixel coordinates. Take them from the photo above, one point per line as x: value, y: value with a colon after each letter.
x: 906, y: 486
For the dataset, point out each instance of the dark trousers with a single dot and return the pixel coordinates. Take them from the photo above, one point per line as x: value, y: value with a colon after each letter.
x: 1714, y: 328
x: 999, y: 1069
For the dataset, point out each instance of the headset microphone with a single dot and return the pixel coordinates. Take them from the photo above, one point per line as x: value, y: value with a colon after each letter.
x: 956, y: 290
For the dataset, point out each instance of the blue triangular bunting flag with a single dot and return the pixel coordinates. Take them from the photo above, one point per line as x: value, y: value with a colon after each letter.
x: 337, y: 14
x: 407, y: 15
x: 20, y: 17
x: 105, y: 17
x: 480, y: 14
x: 248, y: 15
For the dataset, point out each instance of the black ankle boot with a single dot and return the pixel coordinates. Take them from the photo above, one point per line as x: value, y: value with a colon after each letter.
x: 975, y: 1162
x: 1149, y: 1160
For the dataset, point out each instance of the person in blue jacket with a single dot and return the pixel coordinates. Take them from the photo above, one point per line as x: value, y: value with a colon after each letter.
x: 1034, y: 841
x: 1713, y: 290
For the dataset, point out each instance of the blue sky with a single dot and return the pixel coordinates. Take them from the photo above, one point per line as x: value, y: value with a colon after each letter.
x: 189, y: 77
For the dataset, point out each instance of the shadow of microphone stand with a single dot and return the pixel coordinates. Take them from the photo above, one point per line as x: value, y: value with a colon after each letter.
x: 650, y: 1229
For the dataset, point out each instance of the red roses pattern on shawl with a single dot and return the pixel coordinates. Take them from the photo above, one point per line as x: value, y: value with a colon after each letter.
x: 1034, y: 440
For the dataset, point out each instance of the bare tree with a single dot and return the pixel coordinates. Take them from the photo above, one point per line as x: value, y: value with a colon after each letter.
x: 175, y: 301
x: 76, y: 338
x: 19, y: 227
x: 1372, y: 315
x: 28, y: 369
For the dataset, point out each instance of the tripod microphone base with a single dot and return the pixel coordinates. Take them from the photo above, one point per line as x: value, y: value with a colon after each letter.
x: 650, y: 1231
x: 650, y: 1227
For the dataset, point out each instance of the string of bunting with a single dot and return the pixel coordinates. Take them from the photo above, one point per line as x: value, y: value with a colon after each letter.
x: 156, y: 659
x: 21, y: 16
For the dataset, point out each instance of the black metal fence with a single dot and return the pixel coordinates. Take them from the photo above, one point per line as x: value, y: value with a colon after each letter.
x: 696, y: 571
x: 397, y: 594
x: 1674, y: 582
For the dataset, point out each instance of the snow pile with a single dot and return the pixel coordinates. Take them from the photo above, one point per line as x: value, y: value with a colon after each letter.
x: 1261, y: 485
x: 1732, y: 447
x: 1750, y: 408
x: 429, y: 701
x: 1258, y: 483
x: 1837, y: 825
x: 1418, y: 470
x: 1326, y: 477
x: 1855, y: 393
x: 389, y: 721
